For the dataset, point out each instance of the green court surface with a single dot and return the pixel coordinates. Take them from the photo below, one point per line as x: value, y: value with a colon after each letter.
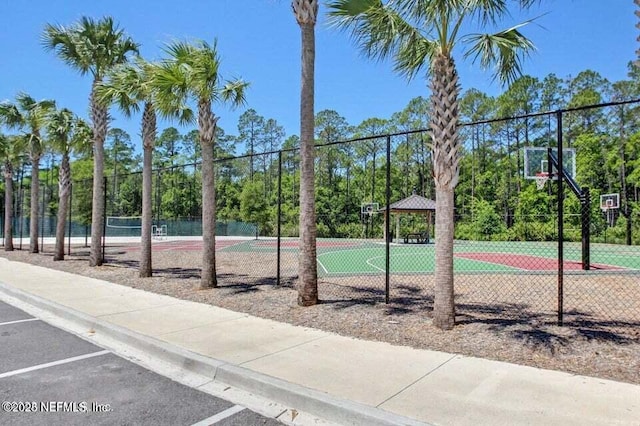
x: 365, y: 257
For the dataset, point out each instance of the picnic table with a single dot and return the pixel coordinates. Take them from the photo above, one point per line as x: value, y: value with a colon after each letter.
x: 417, y: 238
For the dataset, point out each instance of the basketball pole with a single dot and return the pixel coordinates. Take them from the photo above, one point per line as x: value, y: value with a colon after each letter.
x: 584, y: 197
x: 585, y: 204
x: 560, y: 170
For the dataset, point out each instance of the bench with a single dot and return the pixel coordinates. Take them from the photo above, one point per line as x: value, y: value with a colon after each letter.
x: 417, y: 238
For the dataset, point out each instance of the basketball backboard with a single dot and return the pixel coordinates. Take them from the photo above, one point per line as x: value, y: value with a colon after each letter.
x: 536, y: 162
x: 609, y: 201
x: 369, y: 208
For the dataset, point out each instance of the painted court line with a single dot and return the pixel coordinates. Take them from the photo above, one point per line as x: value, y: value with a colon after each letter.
x: 19, y: 321
x: 52, y: 364
x: 321, y: 265
x: 220, y: 416
x: 368, y: 262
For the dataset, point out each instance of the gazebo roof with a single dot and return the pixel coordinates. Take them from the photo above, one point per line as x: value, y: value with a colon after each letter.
x: 413, y: 203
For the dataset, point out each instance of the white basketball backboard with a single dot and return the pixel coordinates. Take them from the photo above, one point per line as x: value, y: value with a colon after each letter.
x: 536, y: 161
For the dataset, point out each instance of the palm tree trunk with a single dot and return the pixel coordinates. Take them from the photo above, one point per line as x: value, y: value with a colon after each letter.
x: 207, y: 124
x: 35, y: 198
x: 308, y: 269
x: 100, y: 121
x: 149, y: 135
x: 8, y: 206
x: 63, y: 208
x: 443, y: 305
x: 444, y: 127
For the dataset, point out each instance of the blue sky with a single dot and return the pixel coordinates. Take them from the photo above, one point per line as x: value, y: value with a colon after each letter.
x: 259, y: 41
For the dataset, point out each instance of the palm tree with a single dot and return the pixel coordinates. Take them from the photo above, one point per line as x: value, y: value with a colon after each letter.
x: 306, y: 13
x: 91, y: 46
x: 421, y: 36
x: 29, y: 115
x: 193, y: 71
x: 67, y: 133
x: 129, y: 85
x: 11, y: 150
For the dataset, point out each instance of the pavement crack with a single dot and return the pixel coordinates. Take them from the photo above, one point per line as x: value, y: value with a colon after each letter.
x: 283, y: 412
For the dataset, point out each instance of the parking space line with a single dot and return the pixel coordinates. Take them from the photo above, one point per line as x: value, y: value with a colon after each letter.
x: 52, y: 364
x: 220, y: 416
x: 19, y: 321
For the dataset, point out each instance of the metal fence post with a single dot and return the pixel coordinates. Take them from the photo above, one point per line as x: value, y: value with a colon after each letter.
x: 560, y: 222
x: 104, y: 216
x: 70, y: 216
x: 158, y: 198
x: 387, y: 221
x: 279, y: 218
x: 21, y: 202
x: 2, y: 222
x: 44, y: 200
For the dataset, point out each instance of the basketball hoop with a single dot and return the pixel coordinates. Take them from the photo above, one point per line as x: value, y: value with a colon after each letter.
x: 541, y: 179
x: 610, y: 204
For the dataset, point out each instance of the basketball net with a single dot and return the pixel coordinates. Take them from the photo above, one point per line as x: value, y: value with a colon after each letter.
x: 541, y: 179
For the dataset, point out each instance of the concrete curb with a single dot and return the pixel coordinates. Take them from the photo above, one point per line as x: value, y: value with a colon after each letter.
x: 311, y: 401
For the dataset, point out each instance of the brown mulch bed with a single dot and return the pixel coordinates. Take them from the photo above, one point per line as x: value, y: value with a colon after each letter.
x: 498, y: 318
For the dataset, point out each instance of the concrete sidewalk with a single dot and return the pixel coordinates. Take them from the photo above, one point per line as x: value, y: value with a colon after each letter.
x: 341, y: 379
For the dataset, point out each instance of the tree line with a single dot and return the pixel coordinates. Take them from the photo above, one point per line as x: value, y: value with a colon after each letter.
x: 494, y: 202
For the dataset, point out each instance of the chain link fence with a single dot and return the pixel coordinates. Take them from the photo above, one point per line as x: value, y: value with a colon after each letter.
x: 529, y: 246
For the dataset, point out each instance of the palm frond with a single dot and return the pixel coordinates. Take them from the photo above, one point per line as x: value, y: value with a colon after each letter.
x: 12, y: 148
x: 59, y: 127
x: 431, y: 11
x: 81, y: 141
x: 64, y: 42
x: 235, y: 92
x: 179, y: 51
x: 414, y: 54
x: 170, y: 87
x: 192, y: 72
x: 34, y: 113
x: 376, y: 28
x: 25, y: 102
x: 503, y: 50
x: 90, y: 45
x: 123, y: 86
x: 488, y: 12
x: 10, y: 115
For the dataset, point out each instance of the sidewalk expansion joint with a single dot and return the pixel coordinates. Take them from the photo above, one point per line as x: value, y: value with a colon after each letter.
x: 415, y: 381
x: 315, y: 339
x: 128, y: 312
x: 200, y: 325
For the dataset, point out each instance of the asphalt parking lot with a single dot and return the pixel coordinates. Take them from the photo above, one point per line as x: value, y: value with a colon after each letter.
x: 51, y: 377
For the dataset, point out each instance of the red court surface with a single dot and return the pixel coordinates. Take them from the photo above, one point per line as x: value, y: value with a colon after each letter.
x: 184, y: 245
x: 529, y: 263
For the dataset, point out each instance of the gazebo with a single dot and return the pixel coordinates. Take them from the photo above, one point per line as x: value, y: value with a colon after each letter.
x: 413, y: 204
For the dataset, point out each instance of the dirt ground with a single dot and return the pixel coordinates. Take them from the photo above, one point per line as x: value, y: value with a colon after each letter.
x: 501, y: 317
